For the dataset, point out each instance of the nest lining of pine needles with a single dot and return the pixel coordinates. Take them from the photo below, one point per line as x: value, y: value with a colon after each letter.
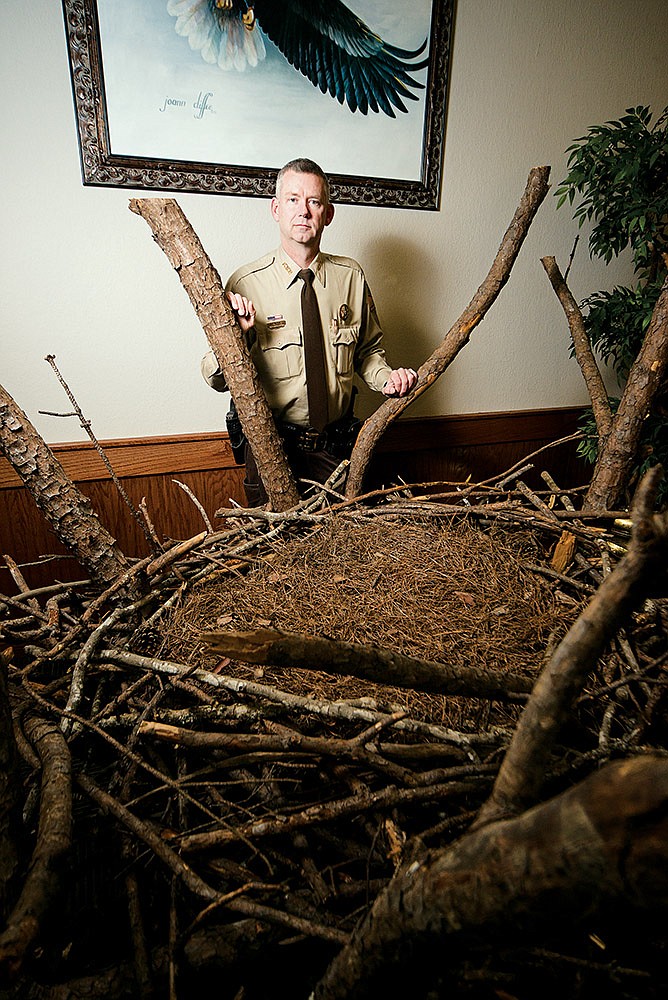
x: 429, y: 587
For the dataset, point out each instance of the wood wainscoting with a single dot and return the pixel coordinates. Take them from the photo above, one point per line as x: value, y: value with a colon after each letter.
x: 416, y: 450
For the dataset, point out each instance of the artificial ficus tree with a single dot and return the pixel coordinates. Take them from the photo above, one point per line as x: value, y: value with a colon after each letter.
x: 618, y: 180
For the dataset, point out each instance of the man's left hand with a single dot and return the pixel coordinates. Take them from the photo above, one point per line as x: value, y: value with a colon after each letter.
x: 400, y: 382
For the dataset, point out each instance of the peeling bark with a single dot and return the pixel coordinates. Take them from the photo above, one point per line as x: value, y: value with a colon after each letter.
x: 176, y: 237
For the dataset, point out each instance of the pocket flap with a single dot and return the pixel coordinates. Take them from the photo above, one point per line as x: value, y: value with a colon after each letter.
x: 277, y: 340
x: 345, y: 335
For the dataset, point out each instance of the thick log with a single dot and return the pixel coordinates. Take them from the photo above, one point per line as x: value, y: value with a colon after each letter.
x: 66, y: 509
x: 458, y: 336
x: 276, y: 648
x: 600, y: 845
x: 176, y: 237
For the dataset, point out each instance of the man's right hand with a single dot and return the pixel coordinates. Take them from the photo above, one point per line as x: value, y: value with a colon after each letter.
x: 244, y: 309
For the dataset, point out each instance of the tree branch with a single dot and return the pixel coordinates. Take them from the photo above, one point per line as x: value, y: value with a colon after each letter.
x: 524, y: 767
x: 277, y: 648
x: 618, y: 451
x: 457, y: 337
x: 598, y: 394
x: 65, y: 508
x: 51, y: 850
x: 593, y: 847
x: 176, y: 237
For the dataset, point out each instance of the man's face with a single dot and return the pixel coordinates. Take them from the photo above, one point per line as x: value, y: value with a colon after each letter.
x: 302, y: 211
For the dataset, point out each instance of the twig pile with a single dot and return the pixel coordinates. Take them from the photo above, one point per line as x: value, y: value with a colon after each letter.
x: 261, y: 810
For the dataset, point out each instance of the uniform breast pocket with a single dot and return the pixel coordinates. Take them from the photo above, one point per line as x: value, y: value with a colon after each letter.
x: 344, y: 342
x: 278, y: 353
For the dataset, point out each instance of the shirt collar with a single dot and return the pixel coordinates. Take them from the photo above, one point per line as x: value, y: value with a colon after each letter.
x: 291, y: 270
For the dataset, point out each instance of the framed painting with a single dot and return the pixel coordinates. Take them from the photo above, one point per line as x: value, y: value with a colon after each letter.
x: 214, y: 96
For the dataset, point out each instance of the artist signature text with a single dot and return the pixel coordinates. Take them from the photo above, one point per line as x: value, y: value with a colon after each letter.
x: 199, y: 107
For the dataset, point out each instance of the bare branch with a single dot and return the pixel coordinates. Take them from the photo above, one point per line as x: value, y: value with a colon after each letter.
x: 51, y: 850
x: 288, y: 649
x: 87, y: 426
x: 459, y: 334
x: 66, y: 509
x: 648, y: 372
x: 585, y: 850
x: 598, y: 394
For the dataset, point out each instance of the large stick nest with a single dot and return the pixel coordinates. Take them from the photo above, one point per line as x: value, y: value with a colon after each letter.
x: 429, y: 587
x: 265, y: 808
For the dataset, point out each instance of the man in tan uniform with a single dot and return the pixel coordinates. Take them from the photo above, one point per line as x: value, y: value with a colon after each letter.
x: 266, y: 296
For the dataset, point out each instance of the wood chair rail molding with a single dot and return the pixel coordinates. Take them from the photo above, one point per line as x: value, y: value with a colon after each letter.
x: 134, y: 457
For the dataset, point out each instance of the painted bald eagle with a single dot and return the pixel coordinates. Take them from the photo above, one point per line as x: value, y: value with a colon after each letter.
x: 322, y: 39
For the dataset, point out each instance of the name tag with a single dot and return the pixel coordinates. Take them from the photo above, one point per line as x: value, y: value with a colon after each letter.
x: 275, y: 322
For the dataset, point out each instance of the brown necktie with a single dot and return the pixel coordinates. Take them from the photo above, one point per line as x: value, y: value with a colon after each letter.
x: 314, y: 354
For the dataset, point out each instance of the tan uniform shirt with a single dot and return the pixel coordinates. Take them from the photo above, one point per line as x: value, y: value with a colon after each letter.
x: 352, y: 333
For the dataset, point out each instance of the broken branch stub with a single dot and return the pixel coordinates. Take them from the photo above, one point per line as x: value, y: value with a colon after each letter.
x: 201, y: 281
x: 457, y: 337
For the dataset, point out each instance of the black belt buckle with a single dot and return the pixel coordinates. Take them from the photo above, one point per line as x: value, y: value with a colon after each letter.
x: 304, y: 438
x: 311, y: 440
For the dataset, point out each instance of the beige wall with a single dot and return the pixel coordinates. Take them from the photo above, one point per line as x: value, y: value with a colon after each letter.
x: 81, y: 277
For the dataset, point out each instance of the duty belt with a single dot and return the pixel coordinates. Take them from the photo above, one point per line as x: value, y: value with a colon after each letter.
x: 304, y: 438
